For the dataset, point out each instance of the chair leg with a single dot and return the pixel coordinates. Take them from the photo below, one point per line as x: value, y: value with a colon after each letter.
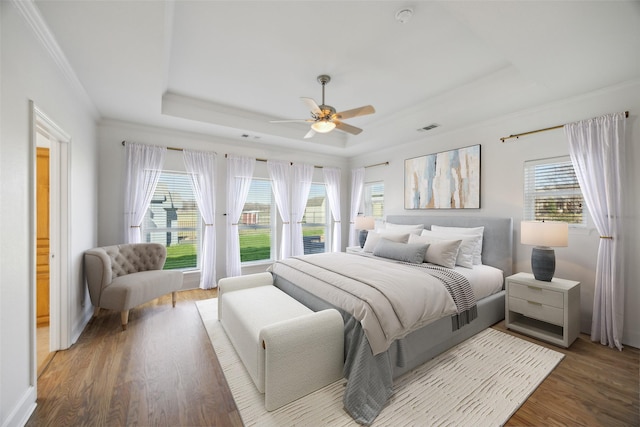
x: 173, y: 298
x: 124, y: 317
x: 96, y: 311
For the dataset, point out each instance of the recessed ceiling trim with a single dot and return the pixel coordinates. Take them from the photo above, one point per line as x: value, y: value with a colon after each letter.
x: 245, y: 121
x: 31, y: 14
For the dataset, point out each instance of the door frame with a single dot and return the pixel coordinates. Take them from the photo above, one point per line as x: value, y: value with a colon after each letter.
x: 59, y: 220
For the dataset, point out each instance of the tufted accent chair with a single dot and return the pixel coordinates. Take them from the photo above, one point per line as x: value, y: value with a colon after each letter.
x: 121, y: 277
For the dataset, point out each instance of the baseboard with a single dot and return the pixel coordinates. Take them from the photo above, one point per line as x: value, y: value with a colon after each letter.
x: 632, y: 339
x: 23, y: 410
x: 82, y: 322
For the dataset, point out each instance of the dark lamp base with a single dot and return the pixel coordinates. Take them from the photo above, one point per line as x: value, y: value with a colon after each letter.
x: 363, y: 237
x: 543, y: 263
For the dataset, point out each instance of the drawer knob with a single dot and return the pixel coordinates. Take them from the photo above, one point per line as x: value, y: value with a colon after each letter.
x: 534, y: 303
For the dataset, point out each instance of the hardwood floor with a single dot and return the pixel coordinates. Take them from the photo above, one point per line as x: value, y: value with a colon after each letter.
x: 594, y: 385
x: 163, y: 371
x: 43, y: 355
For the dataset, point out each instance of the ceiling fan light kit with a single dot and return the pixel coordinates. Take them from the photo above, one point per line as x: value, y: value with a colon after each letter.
x: 323, y: 126
x: 324, y: 118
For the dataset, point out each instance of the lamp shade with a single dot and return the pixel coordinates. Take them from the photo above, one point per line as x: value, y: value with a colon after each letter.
x: 544, y: 233
x: 323, y: 126
x: 365, y: 223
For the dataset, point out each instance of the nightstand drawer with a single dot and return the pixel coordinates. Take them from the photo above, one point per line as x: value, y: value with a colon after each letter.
x: 536, y: 294
x: 537, y: 310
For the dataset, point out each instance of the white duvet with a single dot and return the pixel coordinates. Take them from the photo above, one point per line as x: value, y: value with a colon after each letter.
x: 390, y: 300
x: 485, y: 279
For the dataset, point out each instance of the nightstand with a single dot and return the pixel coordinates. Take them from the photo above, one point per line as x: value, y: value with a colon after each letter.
x: 549, y: 311
x: 354, y: 250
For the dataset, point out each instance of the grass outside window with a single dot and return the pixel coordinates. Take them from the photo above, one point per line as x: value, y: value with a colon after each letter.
x: 254, y: 247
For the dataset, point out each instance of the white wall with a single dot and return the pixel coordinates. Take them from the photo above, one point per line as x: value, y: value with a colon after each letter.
x: 112, y: 170
x: 29, y: 73
x: 502, y: 184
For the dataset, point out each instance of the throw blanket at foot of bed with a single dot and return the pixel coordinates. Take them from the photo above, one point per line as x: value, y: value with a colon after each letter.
x: 381, y: 302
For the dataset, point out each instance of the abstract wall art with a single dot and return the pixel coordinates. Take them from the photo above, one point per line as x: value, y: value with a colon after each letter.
x: 445, y: 180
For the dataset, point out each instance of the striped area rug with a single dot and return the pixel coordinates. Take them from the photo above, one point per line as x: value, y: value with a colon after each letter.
x: 480, y: 382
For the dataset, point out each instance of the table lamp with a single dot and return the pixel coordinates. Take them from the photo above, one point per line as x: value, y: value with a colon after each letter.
x: 544, y: 235
x: 364, y: 224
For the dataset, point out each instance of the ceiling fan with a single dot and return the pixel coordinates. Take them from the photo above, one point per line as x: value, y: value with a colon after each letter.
x: 324, y: 117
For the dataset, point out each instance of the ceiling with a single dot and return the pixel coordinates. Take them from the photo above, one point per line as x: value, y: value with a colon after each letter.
x: 225, y: 68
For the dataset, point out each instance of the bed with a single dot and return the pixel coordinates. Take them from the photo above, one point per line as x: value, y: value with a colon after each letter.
x: 370, y: 373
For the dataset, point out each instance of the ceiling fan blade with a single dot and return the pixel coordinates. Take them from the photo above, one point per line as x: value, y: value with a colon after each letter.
x: 347, y: 128
x: 355, y: 112
x: 311, y: 104
x: 292, y: 121
x: 310, y: 134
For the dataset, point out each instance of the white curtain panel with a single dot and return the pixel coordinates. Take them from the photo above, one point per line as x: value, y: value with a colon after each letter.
x: 357, y: 185
x: 596, y: 147
x: 201, y: 167
x: 332, y: 182
x: 239, y: 176
x: 144, y: 166
x: 300, y: 187
x: 280, y: 174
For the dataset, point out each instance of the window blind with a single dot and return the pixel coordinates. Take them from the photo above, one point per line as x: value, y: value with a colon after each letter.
x: 256, y: 222
x: 552, y: 191
x: 173, y: 219
x: 314, y: 227
x: 374, y: 199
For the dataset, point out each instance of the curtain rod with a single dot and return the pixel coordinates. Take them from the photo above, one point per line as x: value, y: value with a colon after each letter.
x: 265, y: 160
x: 320, y: 167
x: 377, y: 164
x: 626, y: 114
x: 168, y: 148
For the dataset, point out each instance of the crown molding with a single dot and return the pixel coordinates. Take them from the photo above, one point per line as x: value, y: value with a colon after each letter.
x: 36, y: 22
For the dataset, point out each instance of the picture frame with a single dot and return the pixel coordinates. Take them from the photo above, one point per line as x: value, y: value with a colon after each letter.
x: 445, y: 180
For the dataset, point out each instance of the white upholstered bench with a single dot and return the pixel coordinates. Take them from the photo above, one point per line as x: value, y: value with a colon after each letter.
x: 288, y: 349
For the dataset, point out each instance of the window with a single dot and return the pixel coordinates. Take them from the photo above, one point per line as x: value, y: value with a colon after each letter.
x: 374, y: 199
x: 552, y: 191
x: 173, y: 219
x: 314, y: 220
x: 257, y: 223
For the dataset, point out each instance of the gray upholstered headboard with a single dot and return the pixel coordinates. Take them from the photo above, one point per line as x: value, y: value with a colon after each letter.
x: 497, y: 243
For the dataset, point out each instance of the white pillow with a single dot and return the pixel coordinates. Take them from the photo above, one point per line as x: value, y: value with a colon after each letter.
x: 374, y: 236
x: 465, y: 252
x: 440, y: 252
x: 401, y: 228
x: 476, y: 231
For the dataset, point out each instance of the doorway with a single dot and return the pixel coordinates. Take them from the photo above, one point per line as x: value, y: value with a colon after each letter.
x: 50, y: 284
x: 43, y: 288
